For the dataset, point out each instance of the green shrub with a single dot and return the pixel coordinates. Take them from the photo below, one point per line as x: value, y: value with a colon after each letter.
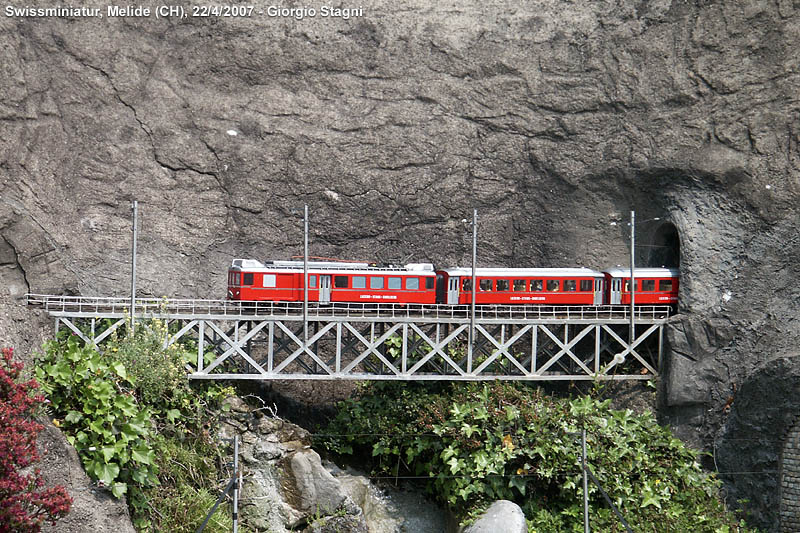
x: 188, y: 471
x: 477, y: 443
x: 139, y: 426
x: 93, y: 402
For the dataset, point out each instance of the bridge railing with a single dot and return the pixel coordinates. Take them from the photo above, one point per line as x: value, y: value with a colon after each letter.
x: 91, y: 305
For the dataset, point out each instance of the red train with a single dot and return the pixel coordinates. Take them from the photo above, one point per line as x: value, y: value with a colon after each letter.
x: 420, y: 283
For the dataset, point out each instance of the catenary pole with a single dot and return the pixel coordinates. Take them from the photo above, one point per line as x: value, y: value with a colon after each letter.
x: 585, y: 483
x: 235, y: 484
x: 632, y: 333
x: 474, y: 290
x: 135, y: 208
x: 305, y: 276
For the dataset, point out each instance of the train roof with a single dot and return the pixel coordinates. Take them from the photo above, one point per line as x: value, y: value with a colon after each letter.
x: 527, y: 272
x: 333, y: 267
x: 639, y: 272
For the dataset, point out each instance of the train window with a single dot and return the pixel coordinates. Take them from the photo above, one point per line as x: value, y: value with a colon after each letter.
x: 429, y: 283
x: 466, y: 285
x: 395, y: 283
x: 312, y: 281
x: 376, y: 282
x: 665, y: 285
x: 586, y: 285
x: 485, y: 284
x: 340, y: 282
x: 248, y: 279
x: 648, y: 285
x: 536, y: 285
x: 552, y: 285
x: 626, y: 285
x: 359, y: 282
x: 520, y: 285
x: 269, y: 280
x: 597, y: 284
x: 570, y: 285
x: 412, y: 284
x: 236, y: 278
x: 502, y: 284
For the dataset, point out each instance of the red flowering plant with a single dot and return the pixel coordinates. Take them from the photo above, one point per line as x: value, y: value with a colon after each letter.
x: 24, y: 504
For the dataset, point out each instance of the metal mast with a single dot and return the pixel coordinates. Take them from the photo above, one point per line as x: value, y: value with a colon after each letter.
x: 305, y: 275
x: 135, y: 208
x: 632, y: 335
x: 474, y: 289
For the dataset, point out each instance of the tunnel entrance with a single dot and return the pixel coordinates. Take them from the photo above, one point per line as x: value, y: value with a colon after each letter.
x: 665, y: 247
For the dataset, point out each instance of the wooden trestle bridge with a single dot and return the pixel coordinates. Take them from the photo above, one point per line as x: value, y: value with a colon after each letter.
x: 265, y: 341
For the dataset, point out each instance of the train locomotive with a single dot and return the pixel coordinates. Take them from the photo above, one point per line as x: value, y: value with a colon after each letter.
x: 420, y: 283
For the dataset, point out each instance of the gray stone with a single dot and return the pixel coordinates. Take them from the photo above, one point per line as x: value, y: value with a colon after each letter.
x: 93, y: 508
x: 309, y: 487
x: 502, y: 515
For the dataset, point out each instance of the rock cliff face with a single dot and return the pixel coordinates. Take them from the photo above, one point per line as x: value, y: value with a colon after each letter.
x: 551, y: 117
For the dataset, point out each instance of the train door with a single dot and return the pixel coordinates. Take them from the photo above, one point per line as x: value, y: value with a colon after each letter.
x: 598, y: 291
x: 324, y: 288
x: 616, y: 291
x: 452, y: 291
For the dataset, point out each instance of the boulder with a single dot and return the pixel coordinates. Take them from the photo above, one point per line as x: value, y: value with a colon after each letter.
x: 285, y: 486
x: 502, y: 515
x: 308, y: 487
x: 93, y: 508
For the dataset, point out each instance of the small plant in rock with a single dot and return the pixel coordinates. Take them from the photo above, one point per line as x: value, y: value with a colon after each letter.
x: 24, y: 504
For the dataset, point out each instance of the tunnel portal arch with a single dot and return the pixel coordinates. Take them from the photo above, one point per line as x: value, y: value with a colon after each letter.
x: 665, y: 247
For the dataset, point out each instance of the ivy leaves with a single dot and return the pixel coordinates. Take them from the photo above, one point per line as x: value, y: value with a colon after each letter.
x: 129, y: 410
x: 100, y: 415
x: 481, y: 442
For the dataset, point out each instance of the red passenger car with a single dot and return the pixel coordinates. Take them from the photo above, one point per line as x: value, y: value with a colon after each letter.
x: 544, y: 286
x: 654, y: 286
x: 331, y: 282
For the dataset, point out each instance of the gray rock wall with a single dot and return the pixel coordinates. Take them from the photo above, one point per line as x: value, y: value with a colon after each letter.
x: 790, y: 482
x: 93, y: 508
x: 551, y: 117
x: 755, y: 450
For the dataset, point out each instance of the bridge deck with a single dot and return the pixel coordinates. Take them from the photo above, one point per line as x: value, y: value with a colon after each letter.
x: 82, y: 306
x: 266, y: 340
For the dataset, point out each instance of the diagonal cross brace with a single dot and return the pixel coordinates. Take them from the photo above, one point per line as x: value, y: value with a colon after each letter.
x: 303, y: 349
x: 78, y: 332
x: 566, y: 348
x: 371, y: 348
x: 169, y: 342
x: 436, y: 347
x: 98, y: 339
x: 502, y: 349
x: 235, y: 347
x: 630, y: 349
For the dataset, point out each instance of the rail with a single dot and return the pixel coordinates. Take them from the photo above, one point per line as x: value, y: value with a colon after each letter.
x: 97, y: 305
